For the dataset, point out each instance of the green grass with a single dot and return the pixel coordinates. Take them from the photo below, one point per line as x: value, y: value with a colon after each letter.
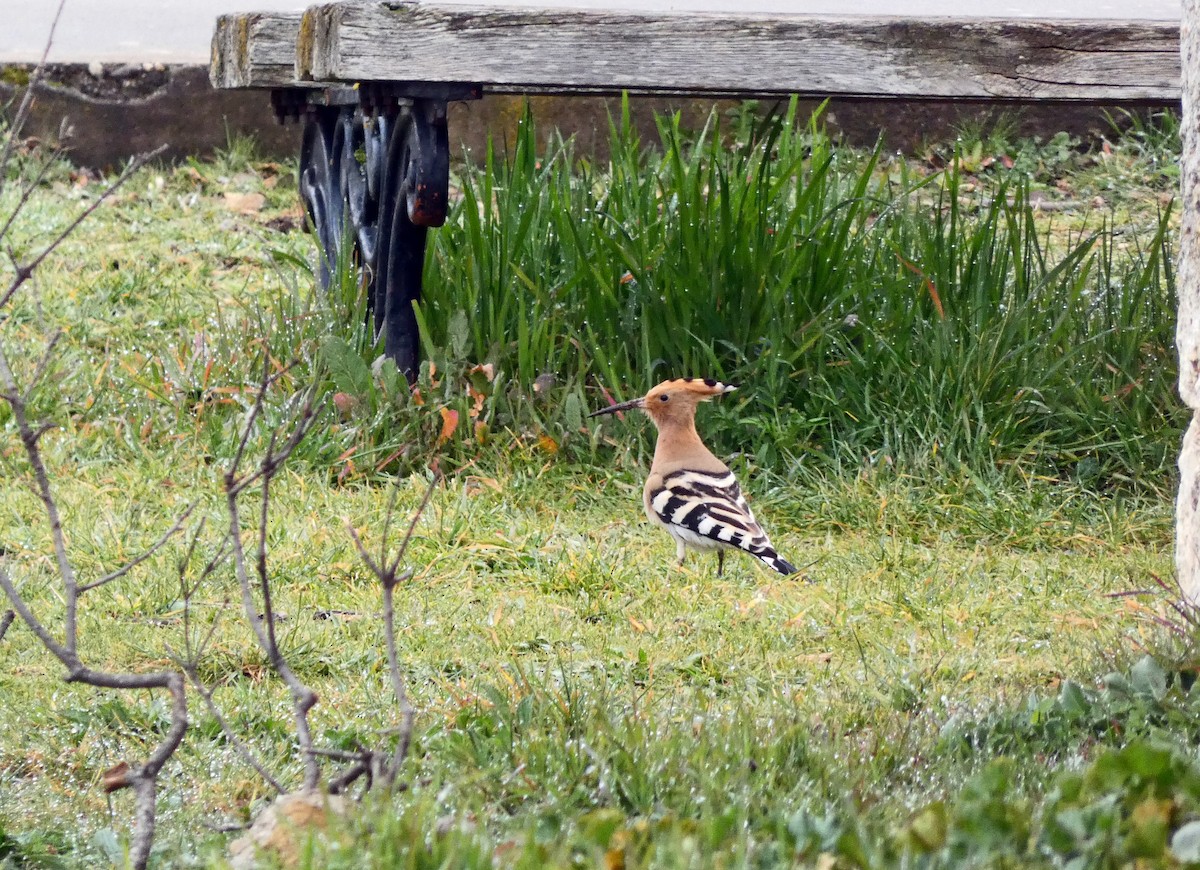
x: 966, y: 490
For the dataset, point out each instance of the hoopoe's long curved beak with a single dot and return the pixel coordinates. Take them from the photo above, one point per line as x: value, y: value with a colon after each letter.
x: 622, y: 406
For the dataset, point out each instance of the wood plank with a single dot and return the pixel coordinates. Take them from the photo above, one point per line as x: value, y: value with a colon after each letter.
x: 542, y: 50
x: 254, y: 50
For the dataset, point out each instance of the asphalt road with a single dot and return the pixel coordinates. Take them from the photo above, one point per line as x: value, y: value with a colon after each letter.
x: 178, y: 31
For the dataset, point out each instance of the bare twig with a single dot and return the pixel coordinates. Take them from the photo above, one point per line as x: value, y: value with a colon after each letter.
x: 195, y: 651
x: 27, y: 99
x: 24, y: 271
x: 238, y: 744
x: 263, y: 626
x: 386, y: 572
x: 30, y: 435
x: 144, y: 555
x: 347, y: 777
x: 6, y: 621
x: 141, y: 778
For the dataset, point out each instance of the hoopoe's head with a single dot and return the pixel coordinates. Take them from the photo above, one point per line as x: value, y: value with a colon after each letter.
x: 673, y: 401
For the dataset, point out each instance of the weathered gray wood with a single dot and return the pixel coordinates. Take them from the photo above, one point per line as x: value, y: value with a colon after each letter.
x: 254, y: 50
x: 1187, y: 512
x: 521, y: 49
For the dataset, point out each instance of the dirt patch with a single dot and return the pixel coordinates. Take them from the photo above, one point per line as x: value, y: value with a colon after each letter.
x: 97, y: 81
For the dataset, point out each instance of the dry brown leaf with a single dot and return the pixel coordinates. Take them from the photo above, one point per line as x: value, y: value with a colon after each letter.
x: 245, y: 203
x: 449, y: 424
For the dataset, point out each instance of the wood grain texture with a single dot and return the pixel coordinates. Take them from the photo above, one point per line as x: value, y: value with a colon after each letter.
x: 254, y: 50
x: 562, y: 51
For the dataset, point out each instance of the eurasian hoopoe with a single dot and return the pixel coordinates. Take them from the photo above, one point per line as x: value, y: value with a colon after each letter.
x: 689, y: 492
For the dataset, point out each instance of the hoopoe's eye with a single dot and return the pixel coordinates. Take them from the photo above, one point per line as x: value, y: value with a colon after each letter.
x: 664, y: 398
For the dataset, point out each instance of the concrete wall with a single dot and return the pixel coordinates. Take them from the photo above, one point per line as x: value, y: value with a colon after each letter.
x: 118, y: 110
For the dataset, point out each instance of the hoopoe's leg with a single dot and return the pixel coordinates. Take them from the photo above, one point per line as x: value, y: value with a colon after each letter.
x: 720, y: 562
x: 680, y: 551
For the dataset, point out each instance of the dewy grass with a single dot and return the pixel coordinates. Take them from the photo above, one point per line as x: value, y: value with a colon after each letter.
x: 955, y: 413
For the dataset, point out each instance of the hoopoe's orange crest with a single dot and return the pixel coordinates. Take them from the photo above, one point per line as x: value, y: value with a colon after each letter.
x: 702, y: 388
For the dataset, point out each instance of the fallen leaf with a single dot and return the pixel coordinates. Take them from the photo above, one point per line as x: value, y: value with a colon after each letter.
x: 548, y: 444
x: 116, y: 777
x: 245, y: 203
x: 477, y: 400
x: 449, y: 424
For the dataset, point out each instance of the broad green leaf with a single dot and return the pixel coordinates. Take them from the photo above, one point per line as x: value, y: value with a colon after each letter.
x: 347, y: 369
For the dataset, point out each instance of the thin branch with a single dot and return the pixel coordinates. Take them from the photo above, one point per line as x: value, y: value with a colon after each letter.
x: 347, y: 777
x: 265, y: 383
x: 25, y: 271
x: 195, y: 651
x: 263, y: 626
x: 58, y: 650
x: 27, y: 191
x: 144, y: 555
x: 141, y: 778
x: 27, y: 99
x: 238, y: 744
x: 43, y: 365
x: 371, y: 564
x: 385, y: 572
x: 29, y: 437
x: 413, y: 524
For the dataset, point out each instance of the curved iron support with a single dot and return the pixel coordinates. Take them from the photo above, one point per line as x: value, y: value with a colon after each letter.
x: 416, y: 179
x: 386, y: 177
x: 321, y: 186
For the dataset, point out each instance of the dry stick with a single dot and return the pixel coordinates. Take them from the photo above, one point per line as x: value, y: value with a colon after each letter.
x: 6, y: 621
x: 10, y: 392
x: 27, y: 192
x: 385, y: 572
x: 142, y: 778
x: 25, y: 272
x: 238, y: 744
x: 27, y: 100
x: 303, y: 698
x: 347, y: 777
x: 193, y: 652
x: 144, y: 555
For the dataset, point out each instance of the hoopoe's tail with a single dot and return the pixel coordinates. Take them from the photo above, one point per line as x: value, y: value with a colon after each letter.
x: 776, y: 562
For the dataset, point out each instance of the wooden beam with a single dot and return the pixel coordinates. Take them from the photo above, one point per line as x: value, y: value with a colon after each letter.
x: 534, y: 50
x: 254, y: 50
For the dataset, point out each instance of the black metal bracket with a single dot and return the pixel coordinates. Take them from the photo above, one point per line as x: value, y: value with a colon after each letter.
x: 375, y: 170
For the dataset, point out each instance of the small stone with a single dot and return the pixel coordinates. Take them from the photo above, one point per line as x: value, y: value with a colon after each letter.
x: 282, y: 829
x: 96, y: 69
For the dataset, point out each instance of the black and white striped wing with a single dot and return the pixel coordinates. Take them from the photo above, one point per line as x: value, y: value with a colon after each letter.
x: 707, y: 510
